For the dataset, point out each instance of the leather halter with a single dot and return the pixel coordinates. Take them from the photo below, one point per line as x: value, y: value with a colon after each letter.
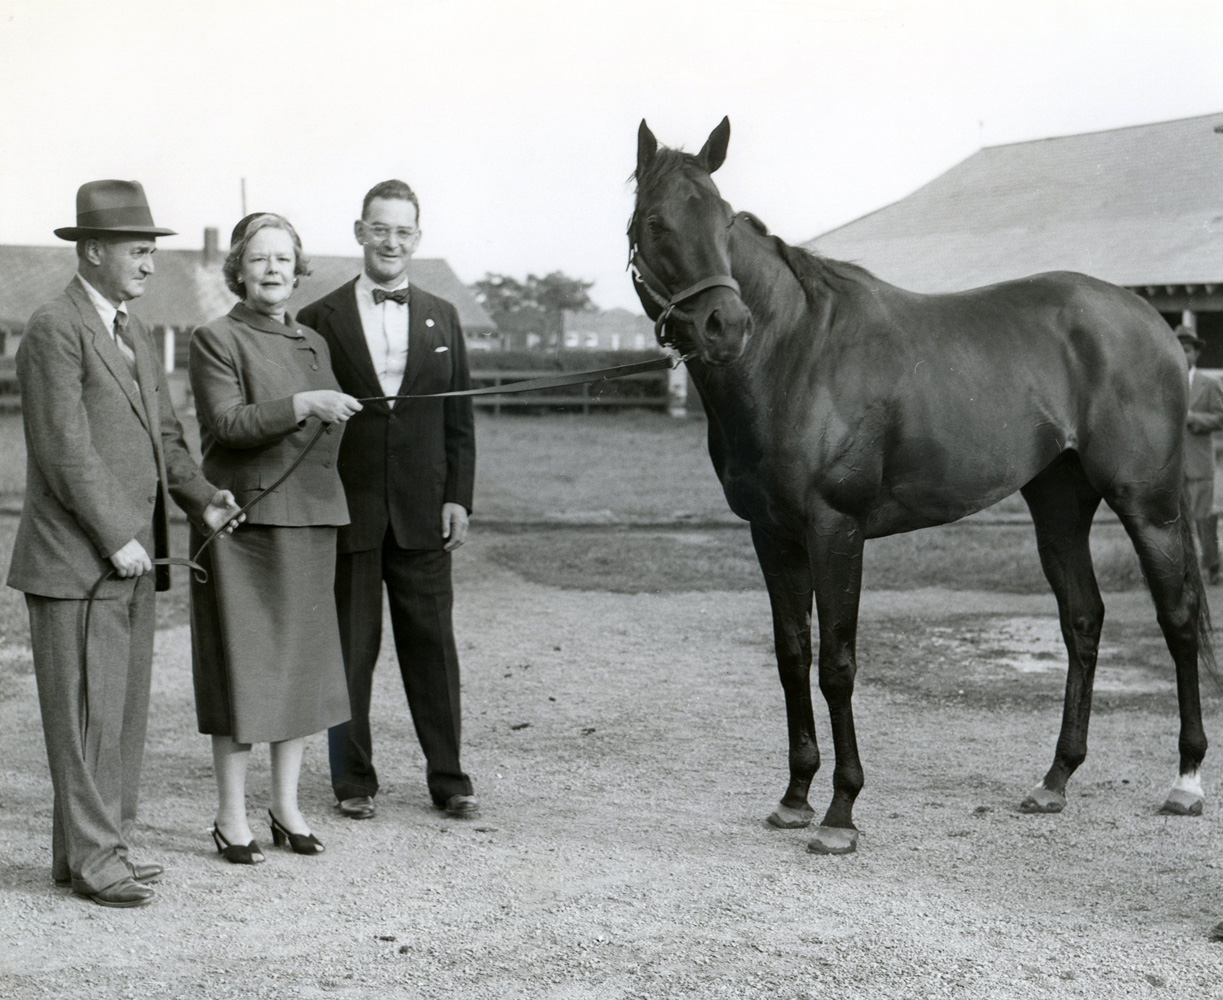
x: 669, y: 305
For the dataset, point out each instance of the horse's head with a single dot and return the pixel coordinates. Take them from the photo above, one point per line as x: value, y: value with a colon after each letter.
x: 679, y: 250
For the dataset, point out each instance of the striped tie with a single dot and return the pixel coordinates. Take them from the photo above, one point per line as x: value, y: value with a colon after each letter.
x: 123, y: 343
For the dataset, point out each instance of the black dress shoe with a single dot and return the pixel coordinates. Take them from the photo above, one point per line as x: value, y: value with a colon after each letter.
x: 461, y: 806
x: 146, y: 873
x: 125, y: 892
x: 358, y: 807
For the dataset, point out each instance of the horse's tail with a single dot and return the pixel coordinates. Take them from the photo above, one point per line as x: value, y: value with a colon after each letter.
x: 1193, y: 580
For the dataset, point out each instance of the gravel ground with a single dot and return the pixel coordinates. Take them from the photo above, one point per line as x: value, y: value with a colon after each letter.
x: 626, y: 749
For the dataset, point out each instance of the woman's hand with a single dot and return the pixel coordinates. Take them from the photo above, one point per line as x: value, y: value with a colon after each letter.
x: 329, y: 406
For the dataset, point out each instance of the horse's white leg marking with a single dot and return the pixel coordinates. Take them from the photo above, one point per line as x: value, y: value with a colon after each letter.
x: 1191, y: 783
x: 1186, y: 797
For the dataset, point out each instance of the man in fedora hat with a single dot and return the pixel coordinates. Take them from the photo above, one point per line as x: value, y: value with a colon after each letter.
x: 1205, y: 417
x: 104, y: 449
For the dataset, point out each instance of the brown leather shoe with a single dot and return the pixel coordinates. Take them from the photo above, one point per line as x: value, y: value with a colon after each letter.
x: 462, y: 807
x: 358, y: 807
x: 125, y: 892
x: 146, y: 873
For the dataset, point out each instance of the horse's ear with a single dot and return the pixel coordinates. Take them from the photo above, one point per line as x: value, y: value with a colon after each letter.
x: 713, y: 153
x: 647, y: 146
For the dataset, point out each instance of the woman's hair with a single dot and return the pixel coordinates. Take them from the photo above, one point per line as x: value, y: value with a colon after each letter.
x: 243, y: 232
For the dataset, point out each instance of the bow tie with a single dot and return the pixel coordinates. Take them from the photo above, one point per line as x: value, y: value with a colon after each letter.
x: 400, y: 295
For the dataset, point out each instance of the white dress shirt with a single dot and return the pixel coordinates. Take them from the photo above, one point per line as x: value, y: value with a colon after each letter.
x: 385, y: 325
x: 108, y: 312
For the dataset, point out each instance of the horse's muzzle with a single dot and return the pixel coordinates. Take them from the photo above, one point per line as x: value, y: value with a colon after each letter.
x: 722, y: 328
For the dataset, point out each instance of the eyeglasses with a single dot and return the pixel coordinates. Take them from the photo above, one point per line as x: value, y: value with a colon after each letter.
x: 379, y: 232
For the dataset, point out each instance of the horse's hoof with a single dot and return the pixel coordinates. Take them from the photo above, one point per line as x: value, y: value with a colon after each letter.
x: 1041, y: 800
x: 833, y: 840
x: 786, y: 818
x: 1182, y: 803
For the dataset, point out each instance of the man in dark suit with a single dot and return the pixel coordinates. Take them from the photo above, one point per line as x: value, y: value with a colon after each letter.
x: 104, y: 449
x: 408, y: 468
x: 1205, y: 417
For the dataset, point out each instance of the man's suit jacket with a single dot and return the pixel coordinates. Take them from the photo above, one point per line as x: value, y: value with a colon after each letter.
x: 102, y: 452
x: 1206, y: 402
x: 400, y: 462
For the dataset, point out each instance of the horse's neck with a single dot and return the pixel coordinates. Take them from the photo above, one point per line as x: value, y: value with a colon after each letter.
x: 740, y: 397
x: 770, y: 289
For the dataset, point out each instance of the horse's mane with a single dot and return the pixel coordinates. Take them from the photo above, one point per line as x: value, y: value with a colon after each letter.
x: 816, y: 274
x: 666, y: 160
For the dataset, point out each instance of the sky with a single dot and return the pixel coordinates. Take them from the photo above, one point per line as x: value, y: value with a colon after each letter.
x: 516, y: 123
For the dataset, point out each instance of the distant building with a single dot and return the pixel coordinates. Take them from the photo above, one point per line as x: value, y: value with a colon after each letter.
x: 1141, y: 207
x: 610, y: 330
x: 188, y: 289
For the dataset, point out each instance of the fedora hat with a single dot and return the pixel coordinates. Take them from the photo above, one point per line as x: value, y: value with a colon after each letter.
x: 112, y: 207
x: 1187, y: 336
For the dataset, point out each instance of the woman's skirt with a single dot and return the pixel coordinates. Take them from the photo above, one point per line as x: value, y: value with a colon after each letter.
x: 265, y: 641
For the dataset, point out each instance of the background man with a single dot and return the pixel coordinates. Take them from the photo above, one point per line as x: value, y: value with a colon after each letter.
x: 103, y: 449
x: 1205, y: 417
x: 408, y: 468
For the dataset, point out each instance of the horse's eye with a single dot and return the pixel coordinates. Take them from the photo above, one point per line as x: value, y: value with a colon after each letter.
x: 655, y: 224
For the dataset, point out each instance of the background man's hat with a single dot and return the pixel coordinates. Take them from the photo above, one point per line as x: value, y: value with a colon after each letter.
x: 112, y: 207
x: 1187, y: 336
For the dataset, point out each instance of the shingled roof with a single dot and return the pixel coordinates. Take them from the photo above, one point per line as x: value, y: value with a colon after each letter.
x: 1139, y: 206
x: 185, y: 293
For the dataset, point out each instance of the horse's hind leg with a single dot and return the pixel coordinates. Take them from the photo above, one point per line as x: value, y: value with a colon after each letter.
x: 1165, y: 549
x: 787, y: 574
x: 1063, y: 504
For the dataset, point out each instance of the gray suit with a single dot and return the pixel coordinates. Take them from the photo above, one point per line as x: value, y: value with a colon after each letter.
x: 103, y: 450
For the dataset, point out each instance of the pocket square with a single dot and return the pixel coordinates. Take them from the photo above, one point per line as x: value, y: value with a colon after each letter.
x: 438, y: 350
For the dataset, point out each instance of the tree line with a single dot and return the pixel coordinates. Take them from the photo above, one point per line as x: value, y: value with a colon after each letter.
x: 535, y: 305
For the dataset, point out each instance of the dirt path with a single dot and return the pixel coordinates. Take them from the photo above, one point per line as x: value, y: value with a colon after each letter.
x: 625, y: 749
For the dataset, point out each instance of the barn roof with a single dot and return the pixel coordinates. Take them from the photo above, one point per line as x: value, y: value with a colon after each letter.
x: 185, y: 293
x: 1138, y: 206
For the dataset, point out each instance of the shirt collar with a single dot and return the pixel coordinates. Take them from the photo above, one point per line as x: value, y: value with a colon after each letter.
x: 366, y: 285
x: 102, y: 304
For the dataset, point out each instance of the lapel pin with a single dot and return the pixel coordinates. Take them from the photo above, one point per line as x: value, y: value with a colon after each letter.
x: 438, y: 350
x: 428, y: 322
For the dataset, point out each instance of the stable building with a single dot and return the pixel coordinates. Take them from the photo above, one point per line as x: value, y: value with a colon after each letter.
x: 188, y: 290
x: 1141, y: 207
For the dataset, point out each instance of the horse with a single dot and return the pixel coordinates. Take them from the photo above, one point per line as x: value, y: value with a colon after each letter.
x: 842, y: 408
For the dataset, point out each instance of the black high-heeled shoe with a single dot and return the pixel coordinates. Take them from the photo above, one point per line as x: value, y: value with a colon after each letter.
x: 237, y: 854
x: 302, y: 843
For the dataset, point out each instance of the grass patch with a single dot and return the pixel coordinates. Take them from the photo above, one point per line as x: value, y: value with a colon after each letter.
x: 627, y: 465
x: 997, y: 558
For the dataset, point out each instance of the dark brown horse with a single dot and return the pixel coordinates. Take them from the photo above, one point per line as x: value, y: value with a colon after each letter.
x: 843, y: 408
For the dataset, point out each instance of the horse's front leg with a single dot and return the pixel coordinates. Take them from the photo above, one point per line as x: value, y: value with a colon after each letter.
x: 787, y: 574
x: 835, y: 543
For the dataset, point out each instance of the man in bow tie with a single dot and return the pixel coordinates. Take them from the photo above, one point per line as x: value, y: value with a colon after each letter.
x: 104, y: 450
x: 408, y: 468
x: 1205, y: 417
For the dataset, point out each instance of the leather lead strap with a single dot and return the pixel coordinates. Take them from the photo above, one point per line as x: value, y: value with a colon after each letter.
x: 546, y: 382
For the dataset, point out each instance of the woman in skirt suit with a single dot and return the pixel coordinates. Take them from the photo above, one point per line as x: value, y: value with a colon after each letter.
x: 266, y: 652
